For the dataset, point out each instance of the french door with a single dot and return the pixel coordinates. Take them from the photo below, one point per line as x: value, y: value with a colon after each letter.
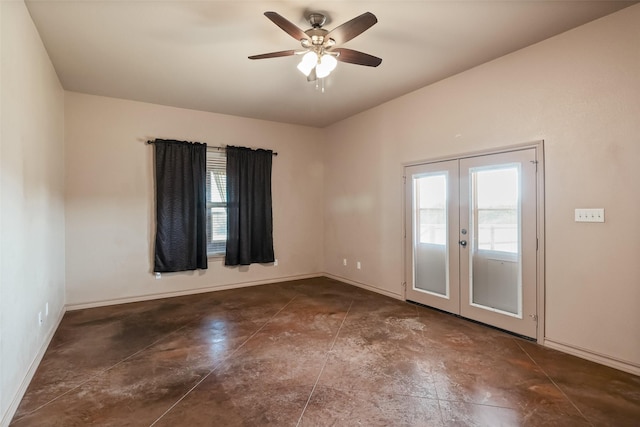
x: 471, y: 238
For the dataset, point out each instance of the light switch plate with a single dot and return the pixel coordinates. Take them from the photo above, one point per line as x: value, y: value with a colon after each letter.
x: 590, y: 215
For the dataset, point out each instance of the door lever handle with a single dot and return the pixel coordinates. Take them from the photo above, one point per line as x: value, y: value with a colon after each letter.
x: 463, y: 243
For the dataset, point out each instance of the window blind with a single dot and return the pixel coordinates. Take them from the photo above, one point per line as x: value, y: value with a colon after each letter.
x: 216, y: 202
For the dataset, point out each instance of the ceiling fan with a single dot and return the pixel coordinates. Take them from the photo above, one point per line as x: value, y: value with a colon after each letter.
x: 320, y: 54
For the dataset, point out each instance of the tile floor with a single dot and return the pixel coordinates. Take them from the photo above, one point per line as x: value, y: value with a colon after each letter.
x: 310, y: 353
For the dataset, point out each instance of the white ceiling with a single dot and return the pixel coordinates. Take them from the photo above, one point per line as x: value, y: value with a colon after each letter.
x: 193, y: 54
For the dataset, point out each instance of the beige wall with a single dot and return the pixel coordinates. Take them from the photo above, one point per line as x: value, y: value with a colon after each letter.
x: 580, y: 93
x: 31, y: 202
x: 110, y: 197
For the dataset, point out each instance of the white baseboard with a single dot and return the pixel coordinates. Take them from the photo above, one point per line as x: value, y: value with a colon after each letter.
x: 365, y: 286
x: 149, y: 297
x: 17, y: 398
x: 602, y: 359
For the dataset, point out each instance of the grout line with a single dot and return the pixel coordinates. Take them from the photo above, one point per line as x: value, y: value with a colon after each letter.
x: 105, y: 370
x: 554, y: 383
x: 326, y: 359
x: 471, y: 402
x: 435, y: 387
x: 222, y: 362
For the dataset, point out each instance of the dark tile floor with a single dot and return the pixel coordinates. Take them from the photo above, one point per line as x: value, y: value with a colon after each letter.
x: 310, y: 353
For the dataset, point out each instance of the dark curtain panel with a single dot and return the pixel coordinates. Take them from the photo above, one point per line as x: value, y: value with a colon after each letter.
x: 249, y: 214
x: 180, y: 206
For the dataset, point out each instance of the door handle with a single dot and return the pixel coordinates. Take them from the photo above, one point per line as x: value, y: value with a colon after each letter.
x: 463, y: 243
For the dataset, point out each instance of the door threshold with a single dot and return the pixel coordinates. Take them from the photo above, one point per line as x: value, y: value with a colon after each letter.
x: 524, y: 337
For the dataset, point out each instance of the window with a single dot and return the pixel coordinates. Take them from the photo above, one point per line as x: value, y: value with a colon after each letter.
x: 216, y: 202
x: 431, y: 197
x: 496, y: 206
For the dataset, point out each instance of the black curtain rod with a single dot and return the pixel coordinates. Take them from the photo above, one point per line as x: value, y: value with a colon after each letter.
x: 215, y: 147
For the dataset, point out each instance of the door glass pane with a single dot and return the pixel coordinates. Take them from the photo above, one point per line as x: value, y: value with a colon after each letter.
x: 430, y: 236
x: 495, y: 238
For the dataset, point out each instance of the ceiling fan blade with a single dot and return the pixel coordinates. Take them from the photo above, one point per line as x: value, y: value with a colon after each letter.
x: 351, y: 29
x: 354, y: 57
x: 274, y: 54
x: 286, y: 25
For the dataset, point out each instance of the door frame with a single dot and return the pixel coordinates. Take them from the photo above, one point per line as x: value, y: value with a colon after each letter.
x: 540, y: 220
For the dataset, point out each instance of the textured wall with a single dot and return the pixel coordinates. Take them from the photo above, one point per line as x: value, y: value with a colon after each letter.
x: 110, y: 221
x: 31, y: 200
x: 580, y: 93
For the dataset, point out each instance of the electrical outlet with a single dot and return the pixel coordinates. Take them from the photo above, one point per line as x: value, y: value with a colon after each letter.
x: 40, y: 318
x: 358, y: 265
x: 344, y: 262
x: 275, y: 263
x: 158, y: 276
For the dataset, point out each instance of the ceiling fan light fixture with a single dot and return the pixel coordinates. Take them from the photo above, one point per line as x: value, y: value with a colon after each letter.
x: 326, y: 65
x: 320, y: 57
x: 309, y: 60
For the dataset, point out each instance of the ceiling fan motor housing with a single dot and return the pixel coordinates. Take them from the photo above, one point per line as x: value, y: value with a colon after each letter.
x: 317, y: 20
x: 317, y: 36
